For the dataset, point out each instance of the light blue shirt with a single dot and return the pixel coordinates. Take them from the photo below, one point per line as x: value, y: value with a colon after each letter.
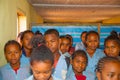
x: 66, y: 54
x: 70, y: 74
x: 7, y: 73
x: 92, y: 63
x: 61, y: 69
x: 25, y: 59
x: 31, y: 78
x: 80, y: 46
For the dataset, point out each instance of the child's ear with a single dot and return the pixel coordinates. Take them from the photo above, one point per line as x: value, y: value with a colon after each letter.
x: 98, y: 74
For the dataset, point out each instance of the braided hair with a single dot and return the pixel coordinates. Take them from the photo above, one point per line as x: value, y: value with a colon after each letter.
x: 104, y: 61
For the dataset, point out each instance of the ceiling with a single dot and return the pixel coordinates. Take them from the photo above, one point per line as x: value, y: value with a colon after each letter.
x: 76, y: 11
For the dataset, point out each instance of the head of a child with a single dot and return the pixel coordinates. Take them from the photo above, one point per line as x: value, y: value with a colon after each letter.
x: 71, y: 39
x: 108, y: 68
x: 41, y: 61
x: 112, y: 46
x: 92, y: 40
x: 64, y: 44
x: 12, y: 51
x: 25, y: 39
x: 79, y: 61
x: 52, y: 40
x: 83, y: 35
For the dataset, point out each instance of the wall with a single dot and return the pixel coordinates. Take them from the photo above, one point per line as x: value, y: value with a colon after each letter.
x: 8, y: 21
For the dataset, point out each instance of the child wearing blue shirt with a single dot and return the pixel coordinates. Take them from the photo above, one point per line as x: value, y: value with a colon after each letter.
x: 52, y: 42
x: 78, y: 64
x: 14, y: 69
x: 93, y: 54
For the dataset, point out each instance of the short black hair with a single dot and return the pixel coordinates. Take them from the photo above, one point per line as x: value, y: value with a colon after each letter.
x: 38, y: 32
x: 105, y: 60
x: 83, y: 33
x: 65, y: 37
x: 25, y: 32
x: 80, y: 53
x: 114, y: 33
x: 113, y: 38
x: 12, y: 42
x: 92, y: 32
x: 52, y: 31
x: 41, y: 53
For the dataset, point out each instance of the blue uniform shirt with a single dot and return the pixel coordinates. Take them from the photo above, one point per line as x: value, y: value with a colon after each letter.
x: 7, y: 73
x: 92, y: 63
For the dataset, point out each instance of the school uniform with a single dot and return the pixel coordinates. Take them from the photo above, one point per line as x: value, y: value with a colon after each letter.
x: 7, y: 73
x: 32, y: 78
x: 60, y: 70
x: 25, y: 60
x: 66, y: 54
x: 71, y: 75
x: 80, y: 46
x: 92, y: 63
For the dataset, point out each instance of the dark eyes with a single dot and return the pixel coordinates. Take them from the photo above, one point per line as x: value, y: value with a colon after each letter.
x: 110, y: 75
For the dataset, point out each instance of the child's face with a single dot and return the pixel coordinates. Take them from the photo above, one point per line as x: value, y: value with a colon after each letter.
x: 64, y: 45
x: 83, y: 37
x: 110, y: 71
x: 52, y: 42
x: 13, y: 54
x: 92, y: 41
x: 79, y: 64
x: 42, y: 70
x: 26, y: 40
x: 112, y: 48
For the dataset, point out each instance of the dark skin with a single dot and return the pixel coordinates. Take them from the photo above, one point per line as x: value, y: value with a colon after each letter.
x: 52, y: 42
x: 92, y: 43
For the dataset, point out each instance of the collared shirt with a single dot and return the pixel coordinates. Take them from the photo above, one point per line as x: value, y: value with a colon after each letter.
x: 25, y: 60
x: 92, y: 63
x: 60, y: 69
x: 71, y: 74
x: 66, y: 54
x: 31, y: 78
x: 7, y: 73
x: 80, y: 46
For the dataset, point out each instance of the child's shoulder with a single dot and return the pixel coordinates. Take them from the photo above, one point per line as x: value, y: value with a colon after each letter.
x: 5, y: 67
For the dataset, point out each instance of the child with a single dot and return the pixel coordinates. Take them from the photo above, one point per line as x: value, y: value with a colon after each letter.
x: 79, y: 62
x: 25, y: 40
x: 82, y: 44
x: 93, y: 54
x: 14, y: 69
x: 52, y: 42
x: 26, y: 46
x: 64, y: 45
x: 71, y: 49
x: 108, y: 68
x: 41, y: 62
x: 112, y: 46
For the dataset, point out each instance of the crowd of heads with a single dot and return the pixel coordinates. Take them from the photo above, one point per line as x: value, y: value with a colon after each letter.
x: 43, y: 47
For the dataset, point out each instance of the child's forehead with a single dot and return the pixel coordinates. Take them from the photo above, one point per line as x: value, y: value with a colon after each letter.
x: 112, y: 42
x: 13, y: 45
x: 111, y: 64
x: 80, y: 56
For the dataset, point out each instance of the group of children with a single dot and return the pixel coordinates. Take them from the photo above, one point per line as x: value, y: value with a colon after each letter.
x: 52, y: 57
